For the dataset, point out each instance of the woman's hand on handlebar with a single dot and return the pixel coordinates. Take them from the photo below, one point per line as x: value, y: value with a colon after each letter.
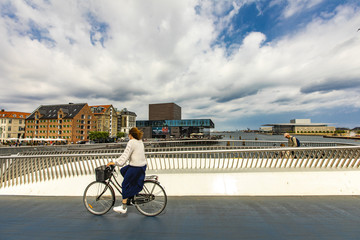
x: 111, y: 165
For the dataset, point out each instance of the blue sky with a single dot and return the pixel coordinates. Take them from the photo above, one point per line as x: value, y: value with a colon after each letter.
x: 241, y: 63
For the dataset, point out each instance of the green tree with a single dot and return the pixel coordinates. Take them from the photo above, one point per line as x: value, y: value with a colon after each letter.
x: 100, y: 136
x: 120, y: 134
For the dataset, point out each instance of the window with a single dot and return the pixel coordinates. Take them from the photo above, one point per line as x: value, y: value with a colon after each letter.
x: 10, y: 121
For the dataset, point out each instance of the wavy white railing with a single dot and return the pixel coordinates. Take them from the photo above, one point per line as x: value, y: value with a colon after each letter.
x: 17, y: 169
x: 161, y: 146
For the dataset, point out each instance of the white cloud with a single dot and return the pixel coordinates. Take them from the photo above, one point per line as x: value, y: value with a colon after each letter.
x: 296, y: 6
x: 164, y: 51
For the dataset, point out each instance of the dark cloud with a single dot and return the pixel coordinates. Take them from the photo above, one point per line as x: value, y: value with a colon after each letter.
x: 117, y: 94
x: 232, y: 95
x: 18, y: 98
x: 283, y: 101
x: 331, y: 85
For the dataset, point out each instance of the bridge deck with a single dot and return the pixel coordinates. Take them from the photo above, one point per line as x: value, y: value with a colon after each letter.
x: 277, y: 218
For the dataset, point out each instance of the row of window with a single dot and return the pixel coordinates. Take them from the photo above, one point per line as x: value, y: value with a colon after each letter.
x: 50, y: 120
x: 51, y: 131
x: 11, y: 121
x: 50, y: 126
x: 57, y: 132
x: 14, y: 115
x: 9, y: 128
x: 54, y: 137
x: 60, y: 122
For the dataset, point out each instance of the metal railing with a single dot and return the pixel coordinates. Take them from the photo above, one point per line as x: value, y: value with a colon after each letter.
x: 158, y: 146
x: 22, y: 169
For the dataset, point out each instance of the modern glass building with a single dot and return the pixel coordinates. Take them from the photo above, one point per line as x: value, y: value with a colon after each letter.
x: 165, y: 122
x: 175, y: 128
x: 206, y: 123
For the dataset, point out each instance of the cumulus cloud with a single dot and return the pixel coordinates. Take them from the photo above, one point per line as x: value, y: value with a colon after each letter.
x: 133, y: 53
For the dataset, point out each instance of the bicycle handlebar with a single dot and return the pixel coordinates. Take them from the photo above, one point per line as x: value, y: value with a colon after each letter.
x: 111, y: 167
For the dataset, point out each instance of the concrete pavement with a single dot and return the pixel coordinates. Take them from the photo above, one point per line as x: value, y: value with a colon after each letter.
x: 328, y: 217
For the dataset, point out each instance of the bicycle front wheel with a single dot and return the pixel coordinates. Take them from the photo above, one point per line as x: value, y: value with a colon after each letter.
x: 99, y: 198
x: 152, y: 199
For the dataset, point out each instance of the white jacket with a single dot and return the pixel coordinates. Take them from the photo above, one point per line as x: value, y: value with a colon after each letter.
x: 134, y: 152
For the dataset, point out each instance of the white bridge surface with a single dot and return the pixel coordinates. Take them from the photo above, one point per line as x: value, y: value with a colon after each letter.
x: 238, y: 172
x: 265, y: 183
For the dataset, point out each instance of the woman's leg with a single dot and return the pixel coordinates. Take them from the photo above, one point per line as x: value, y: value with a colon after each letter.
x: 123, y: 208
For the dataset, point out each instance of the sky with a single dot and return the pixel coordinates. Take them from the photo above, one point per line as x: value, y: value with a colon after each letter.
x: 241, y: 63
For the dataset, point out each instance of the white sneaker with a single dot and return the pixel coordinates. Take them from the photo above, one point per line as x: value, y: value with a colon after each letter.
x: 120, y: 209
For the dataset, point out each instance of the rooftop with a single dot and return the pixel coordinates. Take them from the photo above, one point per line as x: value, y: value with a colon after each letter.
x: 13, y: 114
x: 51, y: 111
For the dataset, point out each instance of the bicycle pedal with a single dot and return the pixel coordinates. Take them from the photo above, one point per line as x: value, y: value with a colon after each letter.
x: 130, y: 202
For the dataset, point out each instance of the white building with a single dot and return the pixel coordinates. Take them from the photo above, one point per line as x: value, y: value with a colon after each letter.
x: 126, y: 120
x: 12, y: 125
x: 302, y: 126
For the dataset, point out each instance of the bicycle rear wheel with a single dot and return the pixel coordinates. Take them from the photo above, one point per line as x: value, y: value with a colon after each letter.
x: 152, y: 199
x: 98, y: 198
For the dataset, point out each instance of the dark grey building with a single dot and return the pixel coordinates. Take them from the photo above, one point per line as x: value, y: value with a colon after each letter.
x: 164, y: 111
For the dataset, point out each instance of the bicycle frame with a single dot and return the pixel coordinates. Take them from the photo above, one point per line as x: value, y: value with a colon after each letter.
x: 143, y: 199
x: 109, y: 182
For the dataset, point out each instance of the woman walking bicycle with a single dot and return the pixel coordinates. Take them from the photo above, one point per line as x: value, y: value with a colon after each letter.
x: 134, y: 172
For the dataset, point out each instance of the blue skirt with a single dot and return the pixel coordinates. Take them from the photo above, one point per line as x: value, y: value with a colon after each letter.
x: 133, y: 180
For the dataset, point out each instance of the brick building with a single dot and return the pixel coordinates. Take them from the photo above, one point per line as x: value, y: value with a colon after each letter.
x: 162, y: 111
x: 70, y: 122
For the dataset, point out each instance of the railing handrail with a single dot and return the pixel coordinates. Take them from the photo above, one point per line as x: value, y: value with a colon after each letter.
x: 18, y: 169
x: 186, y: 152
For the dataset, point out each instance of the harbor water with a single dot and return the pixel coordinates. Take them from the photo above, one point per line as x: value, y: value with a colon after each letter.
x: 239, y: 135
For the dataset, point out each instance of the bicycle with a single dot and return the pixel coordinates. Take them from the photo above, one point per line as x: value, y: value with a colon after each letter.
x: 99, y: 196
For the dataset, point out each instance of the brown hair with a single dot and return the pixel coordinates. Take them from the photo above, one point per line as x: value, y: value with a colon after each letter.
x: 136, y: 133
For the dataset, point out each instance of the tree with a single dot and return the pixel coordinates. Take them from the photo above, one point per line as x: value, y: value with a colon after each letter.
x: 100, y: 136
x: 120, y: 134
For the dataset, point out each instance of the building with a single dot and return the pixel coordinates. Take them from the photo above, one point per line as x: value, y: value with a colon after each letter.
x: 126, y: 120
x: 70, y: 122
x: 165, y: 122
x: 12, y: 125
x: 302, y: 126
x: 162, y: 111
x: 107, y: 119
